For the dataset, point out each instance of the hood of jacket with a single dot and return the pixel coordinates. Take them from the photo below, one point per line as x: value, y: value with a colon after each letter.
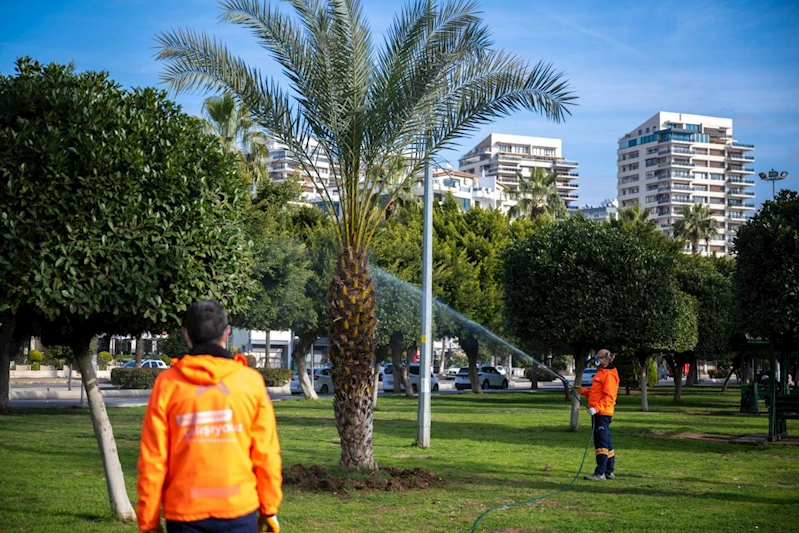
x: 208, y: 369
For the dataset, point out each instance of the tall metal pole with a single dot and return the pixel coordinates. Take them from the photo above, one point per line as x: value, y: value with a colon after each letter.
x: 423, y: 436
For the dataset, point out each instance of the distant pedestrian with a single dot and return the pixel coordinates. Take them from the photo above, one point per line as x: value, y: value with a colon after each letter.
x: 601, y: 403
x: 209, y: 448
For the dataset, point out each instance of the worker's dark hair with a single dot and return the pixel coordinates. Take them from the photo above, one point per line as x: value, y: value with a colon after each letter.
x: 205, y: 322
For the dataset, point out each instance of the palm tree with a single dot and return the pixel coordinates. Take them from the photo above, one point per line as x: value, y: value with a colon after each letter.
x: 238, y: 132
x: 696, y: 225
x: 638, y: 220
x: 435, y: 79
x: 538, y: 196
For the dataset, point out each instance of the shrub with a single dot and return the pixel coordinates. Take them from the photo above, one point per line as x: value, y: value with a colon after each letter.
x: 275, y: 377
x: 34, y: 356
x: 561, y: 362
x: 717, y: 373
x: 35, y: 366
x: 541, y: 374
x: 135, y: 378
x: 104, y: 356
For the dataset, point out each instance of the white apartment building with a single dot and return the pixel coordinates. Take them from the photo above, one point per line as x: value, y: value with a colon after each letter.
x: 607, y: 210
x: 674, y: 160
x: 469, y: 190
x: 502, y: 156
x: 284, y: 164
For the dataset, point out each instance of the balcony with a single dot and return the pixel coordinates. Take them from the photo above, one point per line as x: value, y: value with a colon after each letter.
x: 565, y: 163
x: 740, y: 157
x: 740, y: 192
x: 744, y: 145
x: 740, y: 170
x: 566, y: 185
x: 675, y: 188
x: 677, y: 150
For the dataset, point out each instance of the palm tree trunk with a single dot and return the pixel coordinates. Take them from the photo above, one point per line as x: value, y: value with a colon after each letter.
x: 103, y: 432
x: 352, y: 334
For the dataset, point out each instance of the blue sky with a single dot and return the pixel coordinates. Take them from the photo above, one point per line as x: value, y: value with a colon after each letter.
x: 626, y: 61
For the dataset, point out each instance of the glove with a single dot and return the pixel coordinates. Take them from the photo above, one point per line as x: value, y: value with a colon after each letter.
x: 268, y: 523
x: 156, y: 529
x: 592, y: 411
x: 579, y: 390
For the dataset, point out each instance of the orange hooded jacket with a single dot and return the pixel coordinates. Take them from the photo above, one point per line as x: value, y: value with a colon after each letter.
x: 603, y: 391
x: 209, y: 444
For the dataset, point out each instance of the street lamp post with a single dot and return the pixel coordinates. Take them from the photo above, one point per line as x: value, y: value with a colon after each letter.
x: 773, y: 176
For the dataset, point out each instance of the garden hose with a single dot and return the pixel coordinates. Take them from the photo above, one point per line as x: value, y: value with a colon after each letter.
x: 564, y: 489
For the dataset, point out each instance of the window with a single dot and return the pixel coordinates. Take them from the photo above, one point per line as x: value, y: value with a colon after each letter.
x: 639, y: 132
x: 647, y: 130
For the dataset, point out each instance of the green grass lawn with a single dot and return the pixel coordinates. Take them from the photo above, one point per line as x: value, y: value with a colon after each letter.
x: 676, y: 472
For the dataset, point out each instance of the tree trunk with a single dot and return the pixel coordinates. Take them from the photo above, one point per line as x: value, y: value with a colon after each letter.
x: 579, y: 360
x: 139, y: 351
x: 727, y: 379
x: 406, y: 379
x: 471, y: 347
x: 381, y: 354
x: 352, y: 338
x: 442, y: 362
x: 103, y: 432
x: 298, y: 354
x: 534, y: 376
x: 6, y: 347
x: 693, y: 371
x: 677, y: 372
x: 642, y: 384
x: 396, y: 364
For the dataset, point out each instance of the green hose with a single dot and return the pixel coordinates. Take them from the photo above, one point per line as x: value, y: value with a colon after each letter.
x: 564, y: 489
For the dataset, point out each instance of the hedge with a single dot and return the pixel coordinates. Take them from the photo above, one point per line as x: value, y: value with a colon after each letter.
x: 135, y: 378
x: 275, y: 377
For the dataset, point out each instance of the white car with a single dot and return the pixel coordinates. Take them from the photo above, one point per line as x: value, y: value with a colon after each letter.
x: 322, y: 382
x: 452, y: 372
x: 147, y: 363
x: 413, y: 374
x: 488, y: 376
x: 588, y: 377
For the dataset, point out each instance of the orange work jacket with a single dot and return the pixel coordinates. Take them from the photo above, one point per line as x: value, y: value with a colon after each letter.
x: 209, y: 444
x: 603, y: 391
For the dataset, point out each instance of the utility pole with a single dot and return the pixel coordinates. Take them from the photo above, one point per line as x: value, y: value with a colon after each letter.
x: 423, y: 436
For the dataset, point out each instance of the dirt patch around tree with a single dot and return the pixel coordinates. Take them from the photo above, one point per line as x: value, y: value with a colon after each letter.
x: 320, y: 479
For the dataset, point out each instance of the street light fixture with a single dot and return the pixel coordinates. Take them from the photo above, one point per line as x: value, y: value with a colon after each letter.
x: 773, y: 176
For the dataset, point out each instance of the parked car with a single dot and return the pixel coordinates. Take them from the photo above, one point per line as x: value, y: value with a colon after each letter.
x: 501, y: 370
x: 322, y: 382
x: 488, y: 376
x: 588, y: 377
x: 413, y: 374
x: 451, y: 372
x: 147, y: 363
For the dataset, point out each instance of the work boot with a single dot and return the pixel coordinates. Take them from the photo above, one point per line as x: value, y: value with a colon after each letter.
x: 595, y: 477
x: 610, y: 475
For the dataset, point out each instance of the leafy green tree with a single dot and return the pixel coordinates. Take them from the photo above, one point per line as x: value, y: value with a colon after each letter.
x: 696, y: 225
x: 118, y: 211
x: 537, y: 196
x: 678, y: 345
x: 174, y: 345
x: 766, y: 280
x: 435, y: 79
x: 290, y: 269
x: 567, y: 289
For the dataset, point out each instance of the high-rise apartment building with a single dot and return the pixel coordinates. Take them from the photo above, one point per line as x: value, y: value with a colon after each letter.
x: 675, y: 160
x: 503, y: 156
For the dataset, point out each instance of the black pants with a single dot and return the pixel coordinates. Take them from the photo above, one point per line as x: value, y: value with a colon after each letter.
x: 605, y: 458
x: 243, y: 524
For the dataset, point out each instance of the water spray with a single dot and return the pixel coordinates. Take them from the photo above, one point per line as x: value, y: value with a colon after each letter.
x: 379, y: 273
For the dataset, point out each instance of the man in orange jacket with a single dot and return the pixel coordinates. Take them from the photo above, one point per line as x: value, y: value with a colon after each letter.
x: 601, y: 403
x: 209, y: 447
